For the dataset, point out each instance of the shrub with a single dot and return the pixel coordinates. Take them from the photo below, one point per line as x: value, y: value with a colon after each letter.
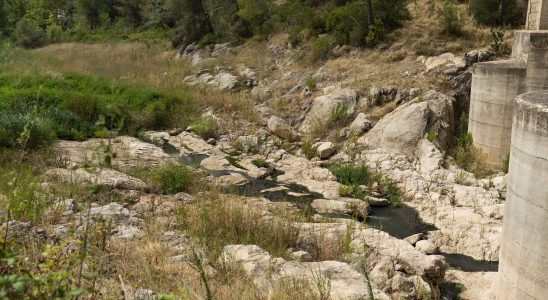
x: 255, y: 13
x: 391, y: 13
x: 339, y: 114
x: 309, y: 150
x: 497, y: 12
x: 55, y: 34
x: 260, y: 163
x: 205, y: 127
x: 321, y: 49
x: 350, y: 174
x: 375, y: 34
x: 173, y: 178
x: 348, y: 24
x: 498, y: 45
x: 25, y: 130
x: 310, y: 83
x: 452, y: 21
x: 28, y: 35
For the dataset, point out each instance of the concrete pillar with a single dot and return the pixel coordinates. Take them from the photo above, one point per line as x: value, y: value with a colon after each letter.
x: 523, y: 268
x: 537, y: 15
x: 537, y: 61
x: 495, y: 86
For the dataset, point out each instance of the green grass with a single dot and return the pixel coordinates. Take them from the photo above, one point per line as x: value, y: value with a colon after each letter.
x: 260, y: 163
x: 68, y: 106
x: 353, y: 176
x: 173, y: 178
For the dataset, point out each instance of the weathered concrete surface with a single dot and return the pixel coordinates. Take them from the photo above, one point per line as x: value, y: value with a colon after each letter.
x: 537, y: 15
x: 495, y: 85
x: 524, y: 254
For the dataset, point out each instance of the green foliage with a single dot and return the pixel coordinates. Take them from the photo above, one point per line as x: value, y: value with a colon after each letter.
x: 68, y: 107
x: 392, y: 13
x: 339, y: 114
x: 20, y: 191
x: 173, y: 178
x: 255, y: 13
x: 376, y: 34
x: 467, y: 156
x: 350, y: 174
x: 55, y: 34
x: 50, y: 279
x: 310, y: 83
x: 354, y: 177
x: 28, y: 35
x: 451, y: 19
x: 348, y: 24
x: 321, y: 49
x: 309, y: 150
x: 497, y: 12
x: 260, y: 163
x: 498, y: 45
x: 39, y: 130
x: 205, y: 127
x: 432, y: 135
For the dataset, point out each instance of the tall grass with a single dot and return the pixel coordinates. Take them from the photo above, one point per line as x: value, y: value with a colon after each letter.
x: 220, y: 221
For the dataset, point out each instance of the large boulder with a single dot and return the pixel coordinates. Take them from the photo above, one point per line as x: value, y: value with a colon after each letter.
x: 403, y: 128
x: 282, y: 129
x: 323, y: 107
x: 268, y: 272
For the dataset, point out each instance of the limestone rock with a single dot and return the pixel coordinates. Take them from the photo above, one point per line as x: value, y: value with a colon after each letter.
x: 347, y: 206
x: 282, y: 129
x: 103, y: 177
x: 426, y: 247
x: 361, y: 124
x: 302, y: 256
x: 323, y: 107
x: 377, y: 202
x: 430, y: 157
x: 267, y: 271
x: 401, y: 129
x: 325, y: 150
x: 413, y: 239
x: 447, y: 60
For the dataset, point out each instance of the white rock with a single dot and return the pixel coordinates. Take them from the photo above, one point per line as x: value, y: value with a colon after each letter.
x: 282, y: 129
x: 360, y: 124
x: 325, y: 149
x: 323, y: 107
x: 426, y: 247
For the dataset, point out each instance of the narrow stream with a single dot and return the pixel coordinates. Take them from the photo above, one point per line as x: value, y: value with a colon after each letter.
x: 401, y: 221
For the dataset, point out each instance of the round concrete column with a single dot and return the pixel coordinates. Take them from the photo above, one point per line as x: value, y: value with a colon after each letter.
x: 523, y: 268
x: 495, y: 86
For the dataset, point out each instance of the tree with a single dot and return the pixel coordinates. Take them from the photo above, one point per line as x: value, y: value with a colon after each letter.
x: 91, y: 11
x: 497, y: 12
x: 191, y: 20
x: 370, y: 15
x: 131, y: 11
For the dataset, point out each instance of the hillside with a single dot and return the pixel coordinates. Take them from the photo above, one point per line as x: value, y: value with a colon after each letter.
x: 193, y: 159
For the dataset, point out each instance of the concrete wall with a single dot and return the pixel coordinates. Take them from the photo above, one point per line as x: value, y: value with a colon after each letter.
x: 495, y: 86
x: 537, y: 15
x: 523, y: 268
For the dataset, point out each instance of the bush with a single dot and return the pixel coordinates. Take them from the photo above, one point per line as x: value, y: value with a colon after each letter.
x: 309, y: 150
x: 391, y: 13
x: 28, y: 35
x: 55, y: 34
x: 172, y: 178
x: 255, y: 13
x: 348, y: 24
x: 350, y: 174
x: 452, y: 21
x: 25, y: 130
x: 497, y: 12
x: 205, y: 127
x: 321, y: 49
